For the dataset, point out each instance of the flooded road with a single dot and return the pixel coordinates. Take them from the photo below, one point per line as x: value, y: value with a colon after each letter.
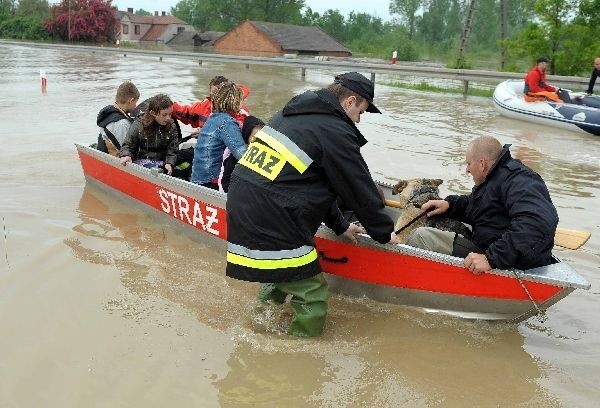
x: 103, y: 305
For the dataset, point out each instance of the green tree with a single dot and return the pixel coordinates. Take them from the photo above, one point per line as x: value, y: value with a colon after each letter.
x: 334, y: 24
x: 7, y: 9
x: 33, y: 8
x: 550, y: 35
x: 407, y: 9
x: 142, y: 12
x: 23, y: 28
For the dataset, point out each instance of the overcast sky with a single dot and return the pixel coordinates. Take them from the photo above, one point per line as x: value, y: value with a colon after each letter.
x: 377, y: 8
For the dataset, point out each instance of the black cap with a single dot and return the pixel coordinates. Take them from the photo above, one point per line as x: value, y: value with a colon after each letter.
x: 542, y: 59
x: 361, y: 85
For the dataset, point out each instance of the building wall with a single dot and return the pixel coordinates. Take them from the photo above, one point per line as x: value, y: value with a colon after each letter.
x: 245, y: 39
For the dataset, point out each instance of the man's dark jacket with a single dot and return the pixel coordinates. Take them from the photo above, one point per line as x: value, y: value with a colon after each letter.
x: 285, y: 213
x: 512, y: 215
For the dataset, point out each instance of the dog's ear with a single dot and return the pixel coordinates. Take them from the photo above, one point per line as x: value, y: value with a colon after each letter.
x: 400, y: 185
x: 437, y: 182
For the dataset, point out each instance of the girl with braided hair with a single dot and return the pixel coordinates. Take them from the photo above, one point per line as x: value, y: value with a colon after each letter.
x: 152, y: 140
x: 220, y: 131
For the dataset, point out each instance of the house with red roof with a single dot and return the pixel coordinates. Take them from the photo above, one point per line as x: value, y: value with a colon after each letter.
x: 156, y: 29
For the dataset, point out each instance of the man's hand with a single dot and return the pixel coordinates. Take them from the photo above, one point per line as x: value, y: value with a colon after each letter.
x: 353, y: 229
x: 394, y: 239
x: 435, y: 207
x: 125, y: 159
x: 477, y: 263
x: 169, y: 169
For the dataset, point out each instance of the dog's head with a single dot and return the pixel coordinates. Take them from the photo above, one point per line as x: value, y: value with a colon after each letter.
x: 418, y: 191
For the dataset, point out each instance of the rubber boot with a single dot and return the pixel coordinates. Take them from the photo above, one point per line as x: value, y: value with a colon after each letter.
x: 309, y: 302
x: 269, y: 292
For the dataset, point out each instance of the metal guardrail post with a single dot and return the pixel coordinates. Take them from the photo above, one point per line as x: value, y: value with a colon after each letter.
x: 303, y: 73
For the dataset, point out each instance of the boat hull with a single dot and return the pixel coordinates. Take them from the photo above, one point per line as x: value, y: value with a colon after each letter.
x: 387, y: 273
x: 583, y: 116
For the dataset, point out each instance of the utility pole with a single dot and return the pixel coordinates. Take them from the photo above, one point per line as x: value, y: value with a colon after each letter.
x: 69, y: 22
x: 503, y: 32
x: 464, y: 41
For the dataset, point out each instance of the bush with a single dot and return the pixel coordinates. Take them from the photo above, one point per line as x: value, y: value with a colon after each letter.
x: 23, y: 28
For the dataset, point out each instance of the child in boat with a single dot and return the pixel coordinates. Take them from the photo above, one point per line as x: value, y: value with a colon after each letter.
x: 197, y: 114
x: 220, y: 131
x: 252, y: 124
x: 115, y: 120
x: 152, y: 140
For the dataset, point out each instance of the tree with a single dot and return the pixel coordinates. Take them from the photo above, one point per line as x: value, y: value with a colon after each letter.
x: 33, y: 8
x: 7, y: 9
x: 223, y: 15
x: 142, y: 12
x: 550, y: 35
x: 408, y: 10
x: 82, y: 20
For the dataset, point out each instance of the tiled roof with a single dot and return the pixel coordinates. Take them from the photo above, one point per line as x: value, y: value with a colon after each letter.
x: 299, y: 38
x: 154, y: 33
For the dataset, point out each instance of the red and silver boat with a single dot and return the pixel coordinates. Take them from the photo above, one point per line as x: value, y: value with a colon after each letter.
x: 388, y: 273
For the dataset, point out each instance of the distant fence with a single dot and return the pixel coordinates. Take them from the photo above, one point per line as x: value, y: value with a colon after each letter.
x: 464, y: 75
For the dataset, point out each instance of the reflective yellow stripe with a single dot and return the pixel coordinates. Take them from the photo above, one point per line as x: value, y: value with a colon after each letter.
x: 263, y: 160
x: 287, y: 154
x: 272, y: 263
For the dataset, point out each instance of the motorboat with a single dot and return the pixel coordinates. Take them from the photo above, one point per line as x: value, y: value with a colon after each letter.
x: 580, y: 112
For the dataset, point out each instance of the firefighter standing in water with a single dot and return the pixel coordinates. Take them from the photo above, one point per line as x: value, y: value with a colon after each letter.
x: 286, y: 185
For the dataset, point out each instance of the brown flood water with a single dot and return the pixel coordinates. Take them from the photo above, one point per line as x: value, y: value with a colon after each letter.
x: 102, y: 305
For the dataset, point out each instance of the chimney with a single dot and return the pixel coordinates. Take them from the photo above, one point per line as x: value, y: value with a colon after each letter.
x: 156, y: 14
x: 130, y: 10
x: 164, y: 13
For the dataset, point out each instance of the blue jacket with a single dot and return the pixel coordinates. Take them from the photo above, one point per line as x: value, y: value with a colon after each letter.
x: 220, y: 130
x: 512, y: 215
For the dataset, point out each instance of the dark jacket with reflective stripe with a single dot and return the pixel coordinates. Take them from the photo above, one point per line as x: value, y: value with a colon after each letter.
x: 512, y: 215
x: 284, y: 214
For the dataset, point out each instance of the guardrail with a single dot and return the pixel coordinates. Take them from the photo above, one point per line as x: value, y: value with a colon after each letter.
x: 464, y: 75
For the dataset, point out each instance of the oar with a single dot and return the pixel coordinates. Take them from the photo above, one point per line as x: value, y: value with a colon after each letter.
x: 564, y: 237
x: 570, y: 238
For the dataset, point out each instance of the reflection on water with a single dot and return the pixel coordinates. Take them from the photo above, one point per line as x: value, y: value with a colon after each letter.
x: 175, y: 316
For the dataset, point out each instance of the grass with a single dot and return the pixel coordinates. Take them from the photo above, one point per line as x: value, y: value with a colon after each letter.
x: 426, y: 87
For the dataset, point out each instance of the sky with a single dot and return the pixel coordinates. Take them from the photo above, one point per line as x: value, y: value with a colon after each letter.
x: 377, y: 8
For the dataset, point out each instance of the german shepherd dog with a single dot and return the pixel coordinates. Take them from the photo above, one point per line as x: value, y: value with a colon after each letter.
x: 412, y: 194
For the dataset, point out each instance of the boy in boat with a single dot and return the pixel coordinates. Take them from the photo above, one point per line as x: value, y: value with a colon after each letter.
x: 115, y: 120
x: 509, y: 209
x: 286, y: 185
x: 152, y: 140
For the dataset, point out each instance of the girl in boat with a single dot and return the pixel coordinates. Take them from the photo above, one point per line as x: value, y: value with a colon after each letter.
x: 220, y: 131
x: 152, y: 140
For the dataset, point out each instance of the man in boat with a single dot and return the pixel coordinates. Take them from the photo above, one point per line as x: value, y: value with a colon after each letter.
x: 115, y: 119
x: 595, y: 74
x: 286, y: 185
x: 536, y: 87
x: 509, y: 209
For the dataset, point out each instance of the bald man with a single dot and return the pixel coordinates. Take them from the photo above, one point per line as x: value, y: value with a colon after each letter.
x: 509, y: 209
x: 595, y: 74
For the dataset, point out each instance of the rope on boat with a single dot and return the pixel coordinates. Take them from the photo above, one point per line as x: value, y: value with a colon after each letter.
x: 541, y: 314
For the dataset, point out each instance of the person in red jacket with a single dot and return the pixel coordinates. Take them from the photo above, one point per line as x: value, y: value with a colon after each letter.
x: 197, y: 113
x: 536, y: 88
